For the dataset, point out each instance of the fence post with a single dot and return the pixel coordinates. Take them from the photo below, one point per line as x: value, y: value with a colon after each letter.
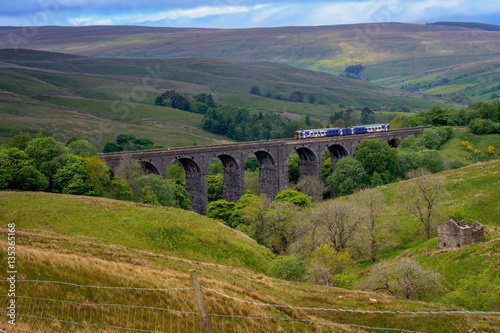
x: 200, y: 303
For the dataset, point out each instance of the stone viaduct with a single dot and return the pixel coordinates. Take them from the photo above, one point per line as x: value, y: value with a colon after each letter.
x: 273, y: 156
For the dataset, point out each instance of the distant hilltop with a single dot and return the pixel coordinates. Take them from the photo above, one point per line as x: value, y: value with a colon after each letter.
x: 472, y: 25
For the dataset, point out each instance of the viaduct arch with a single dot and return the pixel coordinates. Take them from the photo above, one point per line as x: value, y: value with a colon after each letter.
x: 273, y: 156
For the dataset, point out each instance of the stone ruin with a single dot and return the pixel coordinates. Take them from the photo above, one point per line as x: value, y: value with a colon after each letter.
x: 457, y: 234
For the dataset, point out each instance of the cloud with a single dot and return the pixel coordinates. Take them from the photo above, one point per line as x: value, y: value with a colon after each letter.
x: 243, y: 13
x: 198, y: 12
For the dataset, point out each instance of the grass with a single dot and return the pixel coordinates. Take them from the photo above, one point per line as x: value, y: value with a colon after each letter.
x: 31, y: 115
x: 95, y: 241
x: 170, y: 231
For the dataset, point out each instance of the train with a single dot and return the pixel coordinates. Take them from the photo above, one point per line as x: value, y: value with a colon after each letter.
x: 323, y: 132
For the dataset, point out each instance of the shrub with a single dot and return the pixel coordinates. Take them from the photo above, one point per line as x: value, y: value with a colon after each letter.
x: 294, y: 197
x: 290, y: 268
x: 482, y: 126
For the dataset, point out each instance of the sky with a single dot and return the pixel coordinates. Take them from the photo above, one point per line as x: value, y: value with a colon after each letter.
x: 242, y: 13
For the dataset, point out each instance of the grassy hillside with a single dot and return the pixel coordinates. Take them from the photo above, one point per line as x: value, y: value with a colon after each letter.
x: 110, y: 96
x: 94, y: 241
x: 387, y: 50
x: 171, y: 232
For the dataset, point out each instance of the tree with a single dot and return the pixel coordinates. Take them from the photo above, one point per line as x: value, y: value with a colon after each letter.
x: 11, y: 161
x: 332, y: 222
x: 82, y: 148
x: 367, y: 115
x: 354, y: 69
x: 255, y: 90
x: 239, y: 216
x: 421, y: 197
x: 119, y: 190
x: 312, y: 186
x: 30, y: 179
x: 157, y: 186
x: 20, y: 141
x: 293, y: 197
x: 73, y: 178
x: 176, y: 171
x: 111, y: 147
x: 325, y: 262
x: 215, y: 187
x: 377, y: 156
x: 279, y: 228
x: 348, y: 177
x: 296, y: 96
x: 220, y: 210
x: 47, y: 154
x: 373, y: 233
x: 399, y: 121
x: 405, y: 278
x: 340, y: 221
x: 290, y: 268
x: 294, y: 169
x: 181, y: 196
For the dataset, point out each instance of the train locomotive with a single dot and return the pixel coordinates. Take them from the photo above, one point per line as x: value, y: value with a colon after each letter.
x: 322, y: 132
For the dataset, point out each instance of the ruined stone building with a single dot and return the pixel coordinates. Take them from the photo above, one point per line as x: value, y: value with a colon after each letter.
x: 456, y: 234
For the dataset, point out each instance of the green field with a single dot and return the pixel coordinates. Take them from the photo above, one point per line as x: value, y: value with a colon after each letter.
x: 99, y: 98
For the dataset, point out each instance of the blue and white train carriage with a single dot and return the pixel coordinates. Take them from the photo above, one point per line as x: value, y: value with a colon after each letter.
x: 322, y: 132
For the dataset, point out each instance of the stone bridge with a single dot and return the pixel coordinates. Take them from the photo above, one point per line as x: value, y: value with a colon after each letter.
x: 273, y: 156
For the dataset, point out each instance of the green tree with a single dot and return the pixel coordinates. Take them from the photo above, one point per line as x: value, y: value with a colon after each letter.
x: 5, y: 174
x: 82, y: 148
x: 255, y: 90
x: 30, y: 179
x: 47, y: 154
x: 73, y: 178
x: 148, y: 196
x: 163, y: 191
x: 220, y: 210
x: 215, y: 187
x: 119, y: 190
x: 20, y: 141
x: 399, y: 121
x: 438, y: 116
x: 181, y: 196
x: 238, y: 215
x: 348, y: 177
x: 377, y: 156
x: 294, y: 169
x: 279, y: 226
x: 176, y: 171
x: 294, y: 197
x: 111, y: 147
x: 367, y: 116
x: 290, y: 268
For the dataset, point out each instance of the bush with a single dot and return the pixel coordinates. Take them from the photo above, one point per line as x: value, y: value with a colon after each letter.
x: 294, y: 197
x: 483, y: 126
x: 220, y: 210
x: 30, y: 179
x: 289, y: 268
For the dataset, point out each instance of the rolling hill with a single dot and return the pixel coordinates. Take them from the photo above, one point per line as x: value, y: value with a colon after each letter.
x: 102, y: 242
x: 389, y: 51
x: 115, y: 93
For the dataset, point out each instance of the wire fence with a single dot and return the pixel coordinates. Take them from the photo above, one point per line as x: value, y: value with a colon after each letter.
x: 50, y: 306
